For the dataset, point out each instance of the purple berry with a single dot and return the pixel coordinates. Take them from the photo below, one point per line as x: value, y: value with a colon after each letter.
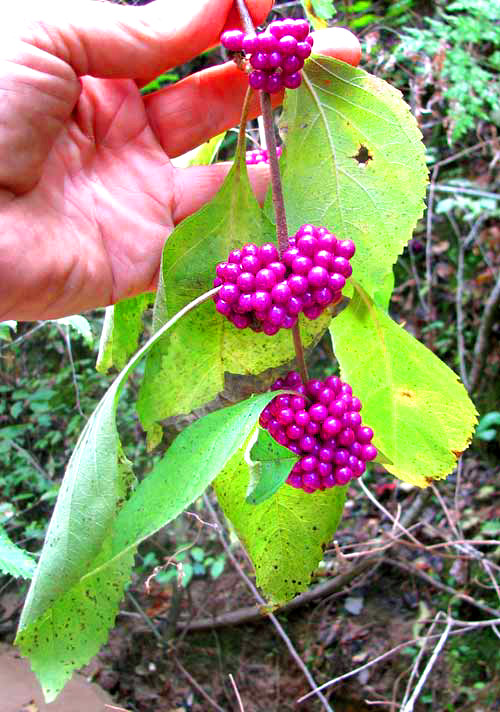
x: 313, y: 312
x: 303, y: 50
x: 318, y: 277
x: 231, y: 272
x: 322, y: 258
x: 289, y: 255
x: 295, y: 481
x: 265, y: 279
x: 311, y: 481
x: 281, y: 293
x: 229, y: 293
x: 331, y: 426
x: 307, y: 443
x: 261, y: 301
x: 305, y: 229
x: 302, y: 418
x: 301, y: 265
x: 325, y: 395
x: 368, y: 452
x: 318, y: 412
x: 260, y: 60
x: 289, y: 321
x: 341, y: 457
x: 257, y: 80
x: 232, y: 40
x: 307, y: 245
x: 278, y: 28
x: 324, y: 468
x: 279, y: 270
x: 328, y: 481
x: 250, y: 263
x: 269, y: 329
x: 274, y: 83
x: 336, y: 282
x: 223, y: 307
x: 326, y: 454
x: 291, y: 63
x: 327, y: 242
x: 341, y: 265
x: 292, y: 81
x: 297, y: 283
x: 294, y: 306
x: 246, y: 282
x: 346, y: 437
x: 343, y: 475
x: 285, y: 416
x: 275, y: 59
x: 313, y: 428
x: 249, y: 44
x: 276, y: 315
x: 309, y: 463
x: 345, y: 248
x: 240, y: 321
x: 266, y: 42
x: 287, y: 44
x: 364, y: 435
x: 244, y: 303
x: 298, y: 403
x: 294, y: 432
x: 268, y: 253
x: 337, y: 408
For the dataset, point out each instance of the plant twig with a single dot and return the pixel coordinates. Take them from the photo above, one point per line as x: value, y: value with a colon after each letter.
x: 237, y: 693
x: 276, y: 187
x: 481, y: 346
x: 440, y: 644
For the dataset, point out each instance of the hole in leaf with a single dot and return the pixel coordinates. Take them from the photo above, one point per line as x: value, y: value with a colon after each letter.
x: 363, y: 155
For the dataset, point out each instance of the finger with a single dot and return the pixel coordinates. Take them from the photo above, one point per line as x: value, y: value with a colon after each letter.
x: 190, y: 112
x: 110, y: 40
x: 197, y: 185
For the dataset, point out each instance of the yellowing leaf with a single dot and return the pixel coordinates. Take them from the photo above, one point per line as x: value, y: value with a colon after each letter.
x: 421, y: 414
x: 354, y: 162
x: 284, y: 534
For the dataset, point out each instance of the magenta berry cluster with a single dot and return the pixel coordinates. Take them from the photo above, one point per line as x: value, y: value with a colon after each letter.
x: 322, y: 424
x: 260, y: 155
x: 254, y: 291
x: 276, y: 55
x: 260, y: 291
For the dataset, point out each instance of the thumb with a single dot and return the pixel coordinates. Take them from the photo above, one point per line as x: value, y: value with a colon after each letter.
x: 103, y: 39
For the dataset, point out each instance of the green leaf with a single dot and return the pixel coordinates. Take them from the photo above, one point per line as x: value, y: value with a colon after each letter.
x: 421, y: 414
x: 120, y: 332
x: 5, y: 327
x: 14, y: 560
x: 202, y: 155
x: 285, y: 534
x: 71, y: 603
x: 355, y: 163
x: 318, y: 12
x: 187, y: 369
x: 270, y: 465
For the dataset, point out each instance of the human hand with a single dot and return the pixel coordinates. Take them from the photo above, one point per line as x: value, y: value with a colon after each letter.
x: 88, y: 194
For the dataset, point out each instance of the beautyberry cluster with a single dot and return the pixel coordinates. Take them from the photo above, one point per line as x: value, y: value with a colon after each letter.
x: 260, y: 155
x: 277, y: 55
x: 254, y: 291
x: 260, y: 291
x: 322, y: 424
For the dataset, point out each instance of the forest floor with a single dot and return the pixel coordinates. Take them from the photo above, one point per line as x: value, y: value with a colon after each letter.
x: 410, y: 583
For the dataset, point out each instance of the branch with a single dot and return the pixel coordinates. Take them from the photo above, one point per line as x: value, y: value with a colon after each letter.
x: 481, y: 347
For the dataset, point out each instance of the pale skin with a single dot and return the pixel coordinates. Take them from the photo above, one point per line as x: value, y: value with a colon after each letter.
x: 88, y: 193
